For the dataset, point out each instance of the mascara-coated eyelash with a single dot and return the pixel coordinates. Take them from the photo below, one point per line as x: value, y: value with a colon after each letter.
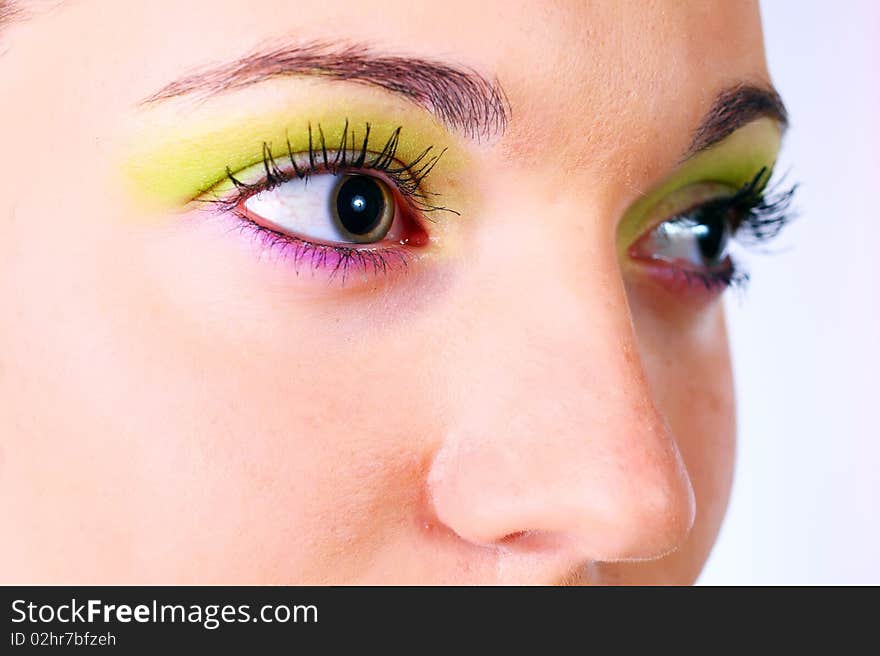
x: 351, y: 157
x: 347, y: 156
x: 690, y: 248
x: 762, y: 213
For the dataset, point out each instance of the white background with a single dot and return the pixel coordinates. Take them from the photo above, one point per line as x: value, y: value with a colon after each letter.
x: 806, y: 334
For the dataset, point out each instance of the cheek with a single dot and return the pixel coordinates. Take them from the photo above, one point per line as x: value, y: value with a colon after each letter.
x: 694, y: 388
x: 303, y: 422
x: 687, y: 362
x: 302, y: 474
x: 306, y: 415
x: 197, y: 412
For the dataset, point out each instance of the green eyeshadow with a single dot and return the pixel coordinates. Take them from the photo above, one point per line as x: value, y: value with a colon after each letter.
x: 169, y: 166
x: 733, y: 162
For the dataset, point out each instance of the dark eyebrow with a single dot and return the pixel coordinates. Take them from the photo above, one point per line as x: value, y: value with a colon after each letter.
x: 462, y: 99
x: 733, y: 108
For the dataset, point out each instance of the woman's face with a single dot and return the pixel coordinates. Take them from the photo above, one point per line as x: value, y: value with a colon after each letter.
x: 524, y: 380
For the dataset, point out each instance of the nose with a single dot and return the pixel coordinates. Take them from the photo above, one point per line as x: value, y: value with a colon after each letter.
x: 552, y: 430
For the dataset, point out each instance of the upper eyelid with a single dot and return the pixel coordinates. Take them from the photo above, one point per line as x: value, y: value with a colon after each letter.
x: 751, y: 191
x: 767, y: 207
x: 261, y: 177
x: 172, y: 158
x: 406, y: 177
x: 319, y: 152
x: 697, y: 195
x: 318, y: 149
x: 721, y: 194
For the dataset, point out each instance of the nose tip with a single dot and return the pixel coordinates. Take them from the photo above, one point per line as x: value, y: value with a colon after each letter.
x: 632, y: 502
x: 652, y: 515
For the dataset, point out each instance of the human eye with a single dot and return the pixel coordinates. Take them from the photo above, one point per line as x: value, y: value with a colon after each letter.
x: 347, y: 210
x: 690, y: 248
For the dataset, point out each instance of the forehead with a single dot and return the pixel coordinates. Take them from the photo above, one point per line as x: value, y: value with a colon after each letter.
x: 612, y: 45
x: 596, y: 66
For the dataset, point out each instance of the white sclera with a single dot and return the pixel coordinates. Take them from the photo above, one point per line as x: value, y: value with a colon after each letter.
x: 302, y: 207
x: 678, y: 241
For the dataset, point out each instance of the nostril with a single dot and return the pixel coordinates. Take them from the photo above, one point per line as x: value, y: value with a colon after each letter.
x: 513, y: 537
x: 533, y: 541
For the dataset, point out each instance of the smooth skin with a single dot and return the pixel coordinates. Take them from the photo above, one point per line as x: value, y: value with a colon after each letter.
x: 523, y: 406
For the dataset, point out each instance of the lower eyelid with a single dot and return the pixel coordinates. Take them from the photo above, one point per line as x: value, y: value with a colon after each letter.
x: 332, y: 263
x: 686, y: 287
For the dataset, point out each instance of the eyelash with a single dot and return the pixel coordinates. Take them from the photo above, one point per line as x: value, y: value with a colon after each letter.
x: 761, y: 213
x: 350, y: 156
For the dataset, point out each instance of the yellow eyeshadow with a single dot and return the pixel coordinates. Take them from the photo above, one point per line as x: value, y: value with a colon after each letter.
x: 733, y: 162
x: 168, y: 167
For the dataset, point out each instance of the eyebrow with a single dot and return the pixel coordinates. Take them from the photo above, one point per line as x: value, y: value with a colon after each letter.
x: 461, y: 98
x: 9, y: 11
x: 733, y: 108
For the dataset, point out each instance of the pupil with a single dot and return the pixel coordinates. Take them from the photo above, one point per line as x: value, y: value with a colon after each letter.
x: 360, y: 204
x: 712, y: 239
